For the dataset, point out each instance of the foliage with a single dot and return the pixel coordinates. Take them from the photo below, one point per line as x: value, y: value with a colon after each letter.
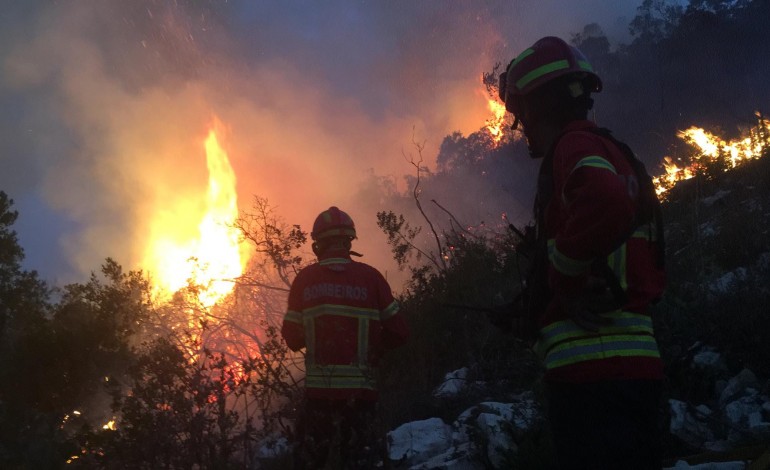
x: 220, y: 386
x: 29, y: 430
x: 446, y: 312
x: 201, y: 412
x: 274, y: 241
x: 401, y: 236
x: 191, y: 385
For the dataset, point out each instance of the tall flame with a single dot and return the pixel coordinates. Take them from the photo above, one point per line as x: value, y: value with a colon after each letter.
x: 209, y: 254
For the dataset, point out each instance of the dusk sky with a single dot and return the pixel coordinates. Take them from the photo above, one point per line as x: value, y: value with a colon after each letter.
x: 105, y: 105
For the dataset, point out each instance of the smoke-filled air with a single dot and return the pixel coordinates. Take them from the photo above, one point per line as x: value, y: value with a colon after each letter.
x: 107, y: 107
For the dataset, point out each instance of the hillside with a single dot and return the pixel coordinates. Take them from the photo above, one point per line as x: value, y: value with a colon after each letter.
x: 712, y: 326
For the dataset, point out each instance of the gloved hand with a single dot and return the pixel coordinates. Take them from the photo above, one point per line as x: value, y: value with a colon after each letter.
x: 502, y: 316
x: 514, y: 317
x: 588, y: 307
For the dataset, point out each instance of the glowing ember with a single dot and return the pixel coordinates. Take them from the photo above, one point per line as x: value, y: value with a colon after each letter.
x: 202, y: 247
x: 713, y: 149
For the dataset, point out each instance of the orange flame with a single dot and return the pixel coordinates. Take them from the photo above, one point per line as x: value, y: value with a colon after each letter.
x: 201, y: 247
x: 711, y: 149
x: 495, y: 124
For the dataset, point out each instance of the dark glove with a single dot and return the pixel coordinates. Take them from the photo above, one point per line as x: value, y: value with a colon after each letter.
x: 501, y: 316
x: 514, y: 317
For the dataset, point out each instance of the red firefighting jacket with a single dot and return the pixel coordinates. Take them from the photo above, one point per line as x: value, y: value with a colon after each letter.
x: 589, y: 215
x: 344, y: 314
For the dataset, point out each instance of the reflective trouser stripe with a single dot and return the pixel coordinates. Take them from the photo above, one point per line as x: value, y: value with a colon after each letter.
x: 631, y: 334
x: 339, y: 376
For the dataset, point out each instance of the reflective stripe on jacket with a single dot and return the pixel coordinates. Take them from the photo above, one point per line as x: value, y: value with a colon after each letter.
x: 344, y: 314
x: 587, y: 219
x: 563, y: 343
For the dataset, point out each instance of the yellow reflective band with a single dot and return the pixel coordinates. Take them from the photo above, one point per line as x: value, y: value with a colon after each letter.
x: 602, y: 347
x: 339, y: 382
x: 327, y: 261
x: 630, y: 335
x: 309, y: 324
x: 293, y: 317
x: 564, y: 264
x: 342, y: 311
x: 540, y: 71
x: 520, y: 57
x: 339, y: 370
x: 585, y: 65
x: 622, y: 322
x: 647, y: 232
x: 390, y: 310
x: 363, y: 340
x: 329, y: 381
x: 595, y: 161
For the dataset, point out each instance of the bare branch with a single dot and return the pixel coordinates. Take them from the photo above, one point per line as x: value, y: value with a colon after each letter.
x: 416, y: 194
x: 454, y: 219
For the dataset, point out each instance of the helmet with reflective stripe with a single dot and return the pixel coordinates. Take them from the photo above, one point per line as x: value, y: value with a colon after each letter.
x: 547, y: 59
x: 333, y: 222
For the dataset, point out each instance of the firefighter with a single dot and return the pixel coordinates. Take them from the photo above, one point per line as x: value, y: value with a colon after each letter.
x: 601, y: 267
x: 343, y: 313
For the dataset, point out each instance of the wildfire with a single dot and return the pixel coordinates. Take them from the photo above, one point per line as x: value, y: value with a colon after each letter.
x: 713, y: 150
x: 495, y: 124
x: 202, y: 247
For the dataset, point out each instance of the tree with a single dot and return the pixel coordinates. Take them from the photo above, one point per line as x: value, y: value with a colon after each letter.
x: 29, y: 433
x: 217, y: 382
x: 655, y: 20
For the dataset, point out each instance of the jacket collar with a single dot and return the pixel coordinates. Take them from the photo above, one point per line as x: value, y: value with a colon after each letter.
x: 334, y: 257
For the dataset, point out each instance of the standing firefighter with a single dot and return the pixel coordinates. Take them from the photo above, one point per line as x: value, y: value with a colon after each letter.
x: 599, y: 269
x: 344, y: 314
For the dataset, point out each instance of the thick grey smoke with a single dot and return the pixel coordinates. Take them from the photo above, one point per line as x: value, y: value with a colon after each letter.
x: 105, y: 106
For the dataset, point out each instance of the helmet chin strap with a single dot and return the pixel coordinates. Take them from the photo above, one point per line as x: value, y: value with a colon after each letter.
x: 319, y: 248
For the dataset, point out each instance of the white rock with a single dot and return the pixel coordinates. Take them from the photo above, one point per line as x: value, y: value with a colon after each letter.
x: 419, y: 441
x: 710, y: 466
x: 273, y: 448
x: 498, y: 439
x: 709, y: 359
x: 737, y: 386
x: 456, y: 458
x: 687, y: 426
x: 454, y: 382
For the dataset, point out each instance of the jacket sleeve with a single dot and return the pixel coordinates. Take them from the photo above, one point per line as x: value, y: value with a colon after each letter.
x: 597, y: 213
x: 395, y: 331
x: 293, y: 329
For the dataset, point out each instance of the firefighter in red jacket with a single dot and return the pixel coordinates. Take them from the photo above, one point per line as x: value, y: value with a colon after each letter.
x: 344, y: 314
x: 603, y: 368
